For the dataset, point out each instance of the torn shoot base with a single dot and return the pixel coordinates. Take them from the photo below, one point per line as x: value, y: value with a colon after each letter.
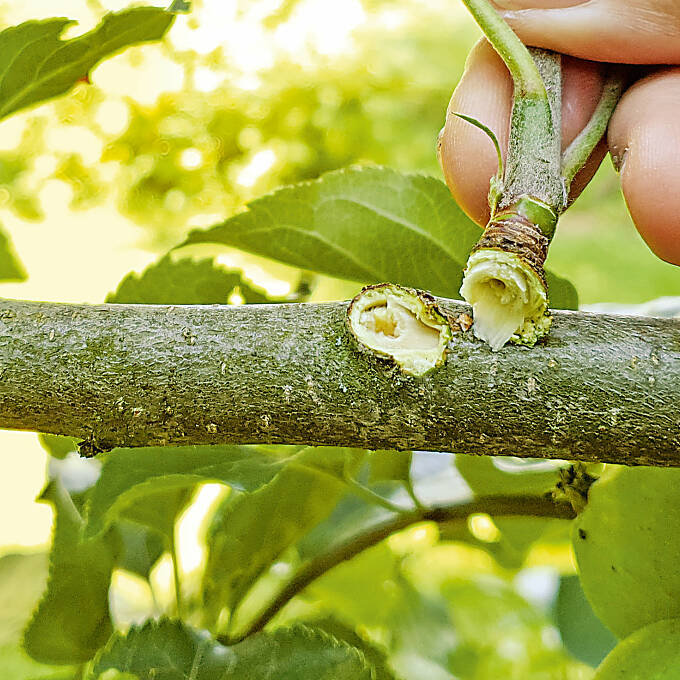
x: 508, y: 299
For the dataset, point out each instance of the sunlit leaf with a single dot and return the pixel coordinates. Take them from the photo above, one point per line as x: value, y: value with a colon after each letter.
x: 184, y: 282
x: 562, y: 293
x: 35, y: 64
x: 390, y: 465
x: 137, y: 549
x: 86, y: 185
x: 58, y: 446
x: 17, y: 665
x: 22, y: 581
x: 159, y: 510
x: 72, y: 620
x: 128, y: 475
x: 583, y: 634
x: 251, y: 531
x: 649, y: 653
x: 281, y: 14
x: 10, y: 267
x: 365, y: 224
x: 146, y: 528
x: 169, y: 650
x: 489, y: 476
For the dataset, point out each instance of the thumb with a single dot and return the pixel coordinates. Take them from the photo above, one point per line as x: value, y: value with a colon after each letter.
x: 623, y: 31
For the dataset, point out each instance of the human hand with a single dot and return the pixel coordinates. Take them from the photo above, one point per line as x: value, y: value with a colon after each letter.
x: 644, y: 132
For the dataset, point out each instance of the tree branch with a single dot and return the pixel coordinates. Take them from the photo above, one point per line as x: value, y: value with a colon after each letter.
x: 601, y: 387
x: 506, y: 506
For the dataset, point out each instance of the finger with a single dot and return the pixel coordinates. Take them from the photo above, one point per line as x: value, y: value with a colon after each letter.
x: 468, y: 158
x: 581, y: 89
x: 644, y: 140
x: 466, y: 155
x: 641, y: 32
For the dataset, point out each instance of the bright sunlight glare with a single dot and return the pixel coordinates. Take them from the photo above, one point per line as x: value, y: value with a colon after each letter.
x: 258, y: 165
x: 191, y: 525
x: 325, y: 27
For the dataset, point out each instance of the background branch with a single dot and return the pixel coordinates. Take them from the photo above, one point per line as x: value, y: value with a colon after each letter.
x: 507, y: 506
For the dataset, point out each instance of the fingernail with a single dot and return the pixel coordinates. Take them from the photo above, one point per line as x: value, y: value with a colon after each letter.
x: 440, y: 139
x: 619, y: 158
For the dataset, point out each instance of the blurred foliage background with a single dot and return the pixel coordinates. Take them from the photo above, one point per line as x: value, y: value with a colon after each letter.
x: 246, y: 96
x: 242, y: 97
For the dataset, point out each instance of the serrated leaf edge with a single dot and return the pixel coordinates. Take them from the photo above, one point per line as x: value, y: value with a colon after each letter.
x: 284, y: 634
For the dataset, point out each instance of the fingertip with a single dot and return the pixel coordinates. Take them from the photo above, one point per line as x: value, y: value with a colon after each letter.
x: 467, y: 156
x: 602, y: 30
x: 582, y: 83
x: 644, y: 138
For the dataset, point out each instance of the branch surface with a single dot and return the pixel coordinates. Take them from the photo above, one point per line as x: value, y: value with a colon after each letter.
x: 600, y: 388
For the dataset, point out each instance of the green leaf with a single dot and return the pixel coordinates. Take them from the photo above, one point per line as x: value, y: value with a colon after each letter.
x: 251, y: 531
x: 583, y: 634
x: 352, y: 516
x: 184, y: 282
x: 488, y: 476
x: 504, y: 475
x: 169, y: 650
x: 129, y: 475
x: 180, y: 6
x: 561, y: 292
x: 37, y: 65
x: 10, y: 267
x: 649, y: 653
x: 22, y: 581
x: 137, y: 548
x: 58, y: 446
x: 16, y: 665
x: 163, y: 650
x: 390, y: 466
x: 159, y: 510
x: 299, y: 653
x: 336, y: 461
x: 371, y: 591
x: 490, y: 618
x: 376, y: 657
x: 424, y: 635
x: 72, y: 620
x: 368, y: 224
